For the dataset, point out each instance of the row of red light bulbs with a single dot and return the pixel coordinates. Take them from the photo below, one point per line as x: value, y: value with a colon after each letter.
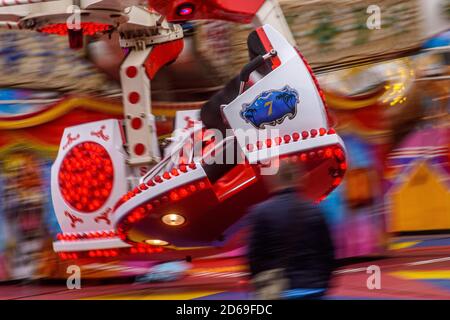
x: 152, y: 182
x: 293, y: 137
x: 89, y: 28
x: 111, y: 253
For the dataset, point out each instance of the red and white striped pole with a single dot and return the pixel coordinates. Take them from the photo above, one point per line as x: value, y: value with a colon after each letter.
x: 140, y: 124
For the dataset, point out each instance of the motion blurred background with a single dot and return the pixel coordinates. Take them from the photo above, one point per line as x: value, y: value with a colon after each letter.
x: 387, y: 90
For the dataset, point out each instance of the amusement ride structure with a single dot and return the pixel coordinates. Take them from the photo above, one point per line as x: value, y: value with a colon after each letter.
x: 116, y: 191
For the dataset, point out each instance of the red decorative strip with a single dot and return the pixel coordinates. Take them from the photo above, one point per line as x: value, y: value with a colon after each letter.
x: 156, y: 180
x: 89, y: 28
x: 268, y: 47
x: 294, y: 137
x: 139, y: 249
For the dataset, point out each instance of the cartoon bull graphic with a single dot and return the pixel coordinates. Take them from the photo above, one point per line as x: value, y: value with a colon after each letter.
x: 271, y: 107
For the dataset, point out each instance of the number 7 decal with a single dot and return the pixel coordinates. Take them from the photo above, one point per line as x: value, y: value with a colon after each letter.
x: 269, y: 103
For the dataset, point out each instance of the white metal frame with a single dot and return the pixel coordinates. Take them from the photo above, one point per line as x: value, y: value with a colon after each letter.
x: 114, y: 146
x: 131, y: 19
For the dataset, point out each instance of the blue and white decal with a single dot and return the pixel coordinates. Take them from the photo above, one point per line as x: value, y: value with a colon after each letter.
x: 271, y: 107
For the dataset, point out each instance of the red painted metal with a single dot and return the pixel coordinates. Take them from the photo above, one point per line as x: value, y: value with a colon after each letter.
x: 230, y: 10
x: 161, y: 55
x: 88, y: 28
x: 268, y: 46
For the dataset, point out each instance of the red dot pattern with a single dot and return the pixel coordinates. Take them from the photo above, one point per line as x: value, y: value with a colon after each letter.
x: 89, y: 28
x: 134, y: 97
x: 131, y: 71
x: 136, y: 123
x: 139, y: 149
x: 86, y: 177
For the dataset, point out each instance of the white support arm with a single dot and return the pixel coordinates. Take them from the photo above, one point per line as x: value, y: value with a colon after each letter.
x: 139, y: 120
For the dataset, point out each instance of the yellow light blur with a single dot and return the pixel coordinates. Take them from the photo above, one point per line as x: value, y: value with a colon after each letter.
x: 156, y: 242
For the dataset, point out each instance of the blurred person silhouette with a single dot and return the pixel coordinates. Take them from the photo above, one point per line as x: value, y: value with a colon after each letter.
x: 290, y: 253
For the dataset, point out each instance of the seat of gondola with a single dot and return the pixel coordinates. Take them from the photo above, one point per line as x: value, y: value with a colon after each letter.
x: 190, y: 201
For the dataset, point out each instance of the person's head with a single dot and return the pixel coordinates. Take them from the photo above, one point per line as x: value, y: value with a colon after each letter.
x: 289, y: 175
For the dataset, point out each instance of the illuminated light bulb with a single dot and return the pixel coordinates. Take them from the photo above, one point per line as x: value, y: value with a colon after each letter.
x: 337, y: 181
x: 320, y: 153
x: 201, y: 185
x: 77, y: 172
x: 156, y: 242
x: 183, y: 192
x: 174, y: 196
x: 143, y: 186
x: 328, y: 153
x: 89, y: 28
x: 185, y: 9
x: 287, y: 138
x: 173, y: 219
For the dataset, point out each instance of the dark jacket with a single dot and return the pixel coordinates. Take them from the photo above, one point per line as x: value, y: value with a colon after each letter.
x: 291, y: 233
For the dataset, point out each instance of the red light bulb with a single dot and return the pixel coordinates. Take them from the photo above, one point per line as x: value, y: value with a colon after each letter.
x: 79, y: 178
x: 185, y: 9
